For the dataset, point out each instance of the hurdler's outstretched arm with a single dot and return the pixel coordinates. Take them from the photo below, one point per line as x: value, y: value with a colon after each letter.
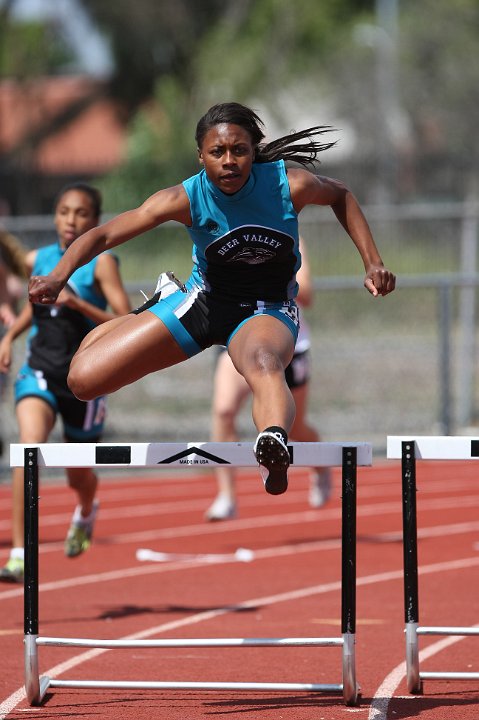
x: 309, y: 189
x: 169, y: 204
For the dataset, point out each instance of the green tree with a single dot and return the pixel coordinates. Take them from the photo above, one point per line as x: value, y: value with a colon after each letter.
x: 436, y: 95
x: 29, y: 49
x: 151, y: 39
x: 439, y: 42
x: 253, y: 49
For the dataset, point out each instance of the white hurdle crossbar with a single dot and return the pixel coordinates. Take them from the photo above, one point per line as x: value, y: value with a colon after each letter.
x: 409, y: 450
x: 201, y: 454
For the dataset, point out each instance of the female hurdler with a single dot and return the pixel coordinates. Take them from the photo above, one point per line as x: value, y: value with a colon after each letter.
x: 241, y: 211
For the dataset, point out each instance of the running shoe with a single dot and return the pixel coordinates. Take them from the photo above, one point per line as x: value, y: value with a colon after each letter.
x: 13, y: 571
x: 223, y: 508
x: 320, y: 488
x: 80, y: 533
x: 273, y: 458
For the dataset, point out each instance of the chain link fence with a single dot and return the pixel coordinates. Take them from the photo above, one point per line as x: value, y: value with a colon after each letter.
x: 395, y: 365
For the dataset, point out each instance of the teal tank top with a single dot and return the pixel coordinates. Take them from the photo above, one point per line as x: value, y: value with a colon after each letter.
x: 245, y: 245
x: 57, y: 330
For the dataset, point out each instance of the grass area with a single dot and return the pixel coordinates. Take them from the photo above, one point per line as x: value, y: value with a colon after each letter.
x: 144, y: 258
x: 331, y: 254
x: 407, y: 247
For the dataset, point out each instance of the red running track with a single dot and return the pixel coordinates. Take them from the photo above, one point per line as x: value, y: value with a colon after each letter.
x: 290, y: 589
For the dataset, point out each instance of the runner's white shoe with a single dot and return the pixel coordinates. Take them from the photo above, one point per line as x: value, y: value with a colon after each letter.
x: 320, y: 488
x: 223, y: 508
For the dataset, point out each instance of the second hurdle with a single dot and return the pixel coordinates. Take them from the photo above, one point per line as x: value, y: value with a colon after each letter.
x: 188, y: 455
x: 410, y: 450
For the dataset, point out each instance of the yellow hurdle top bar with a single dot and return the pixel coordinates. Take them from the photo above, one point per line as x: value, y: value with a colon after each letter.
x: 440, y: 447
x: 187, y: 454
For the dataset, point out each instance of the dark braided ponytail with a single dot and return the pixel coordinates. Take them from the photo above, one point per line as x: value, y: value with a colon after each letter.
x: 286, y: 148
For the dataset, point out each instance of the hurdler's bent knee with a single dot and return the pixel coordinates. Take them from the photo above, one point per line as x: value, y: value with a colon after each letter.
x: 81, y: 381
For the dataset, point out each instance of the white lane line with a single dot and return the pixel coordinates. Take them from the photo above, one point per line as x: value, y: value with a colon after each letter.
x: 383, y: 695
x: 160, y: 492
x: 232, y: 526
x: 160, y: 506
x: 19, y: 695
x: 155, y: 568
x: 266, y: 553
x: 294, y: 518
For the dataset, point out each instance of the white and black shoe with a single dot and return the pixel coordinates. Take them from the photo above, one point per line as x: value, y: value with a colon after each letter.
x: 80, y: 532
x: 272, y: 454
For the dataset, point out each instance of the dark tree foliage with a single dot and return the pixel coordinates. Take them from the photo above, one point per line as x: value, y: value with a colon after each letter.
x: 151, y: 38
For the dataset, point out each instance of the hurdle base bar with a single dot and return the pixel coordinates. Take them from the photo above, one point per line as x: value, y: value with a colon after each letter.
x: 37, y: 686
x: 191, y: 642
x: 350, y: 687
x: 413, y: 679
x: 457, y: 631
x: 451, y: 630
x: 159, y: 685
x: 449, y: 675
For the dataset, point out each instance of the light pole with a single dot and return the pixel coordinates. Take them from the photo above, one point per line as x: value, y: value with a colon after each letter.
x: 383, y: 38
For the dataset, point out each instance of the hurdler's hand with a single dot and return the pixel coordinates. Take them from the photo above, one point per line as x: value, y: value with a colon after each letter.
x: 43, y: 289
x: 379, y: 280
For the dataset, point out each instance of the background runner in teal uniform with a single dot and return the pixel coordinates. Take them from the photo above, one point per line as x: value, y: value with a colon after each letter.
x: 223, y: 302
x: 41, y: 390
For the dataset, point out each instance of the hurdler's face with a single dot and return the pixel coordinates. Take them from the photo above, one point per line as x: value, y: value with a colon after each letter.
x: 227, y: 153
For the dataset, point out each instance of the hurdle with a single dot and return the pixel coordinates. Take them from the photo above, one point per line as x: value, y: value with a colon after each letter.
x: 409, y: 450
x: 188, y: 455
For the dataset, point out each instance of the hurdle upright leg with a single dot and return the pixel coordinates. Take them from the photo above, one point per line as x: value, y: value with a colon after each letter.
x: 348, y: 572
x: 34, y: 689
x: 411, y: 593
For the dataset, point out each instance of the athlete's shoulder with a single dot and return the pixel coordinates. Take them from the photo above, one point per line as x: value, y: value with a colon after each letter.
x: 194, y: 181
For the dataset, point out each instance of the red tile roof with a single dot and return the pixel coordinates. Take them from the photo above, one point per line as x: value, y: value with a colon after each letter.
x: 92, y: 141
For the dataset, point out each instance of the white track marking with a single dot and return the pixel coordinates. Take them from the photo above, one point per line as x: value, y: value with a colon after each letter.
x: 19, y: 695
x: 383, y: 695
x: 299, y: 518
x: 266, y: 553
x: 240, y: 555
x: 152, y: 569
x: 164, y: 493
x: 166, y: 507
